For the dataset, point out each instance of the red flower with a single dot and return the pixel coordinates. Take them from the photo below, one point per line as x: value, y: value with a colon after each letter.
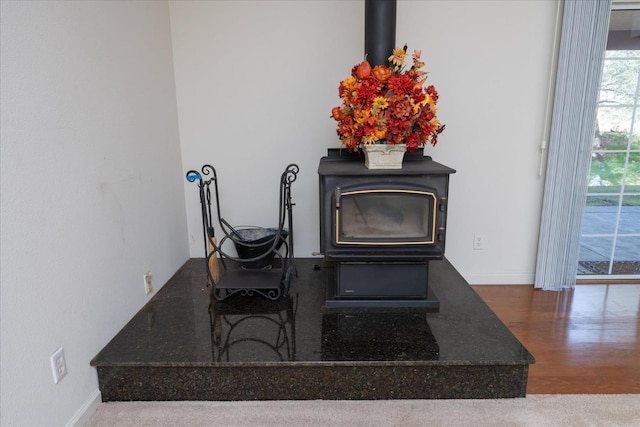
x: 431, y: 90
x: 401, y: 84
x: 413, y: 141
x: 368, y: 90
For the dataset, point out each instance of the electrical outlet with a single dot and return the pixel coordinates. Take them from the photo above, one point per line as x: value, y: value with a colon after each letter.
x: 147, y: 283
x: 478, y: 241
x: 58, y: 365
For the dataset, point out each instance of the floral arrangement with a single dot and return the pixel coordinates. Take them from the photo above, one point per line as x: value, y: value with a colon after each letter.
x: 388, y: 105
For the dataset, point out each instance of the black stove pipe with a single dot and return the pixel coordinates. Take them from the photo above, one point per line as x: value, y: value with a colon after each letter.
x: 379, y: 30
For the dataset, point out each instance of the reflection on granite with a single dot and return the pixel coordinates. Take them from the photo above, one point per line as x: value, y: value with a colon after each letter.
x: 183, y: 346
x: 254, y: 329
x: 381, y: 335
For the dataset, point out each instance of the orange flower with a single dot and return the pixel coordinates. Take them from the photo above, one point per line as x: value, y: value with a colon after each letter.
x: 402, y: 108
x: 361, y: 116
x: 382, y: 73
x: 364, y: 70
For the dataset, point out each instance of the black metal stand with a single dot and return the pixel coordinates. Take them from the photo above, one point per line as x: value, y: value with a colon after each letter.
x: 265, y: 255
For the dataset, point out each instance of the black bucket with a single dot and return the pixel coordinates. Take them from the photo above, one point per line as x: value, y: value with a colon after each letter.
x: 261, y: 241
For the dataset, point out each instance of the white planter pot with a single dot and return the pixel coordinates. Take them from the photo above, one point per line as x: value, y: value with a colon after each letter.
x: 384, y: 156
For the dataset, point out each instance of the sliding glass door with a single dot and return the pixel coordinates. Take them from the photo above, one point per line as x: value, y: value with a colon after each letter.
x: 610, y: 240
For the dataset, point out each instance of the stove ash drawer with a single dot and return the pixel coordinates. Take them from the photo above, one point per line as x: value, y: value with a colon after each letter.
x: 382, y: 279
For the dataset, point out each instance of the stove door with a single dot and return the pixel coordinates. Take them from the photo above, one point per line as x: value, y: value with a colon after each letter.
x: 385, y: 217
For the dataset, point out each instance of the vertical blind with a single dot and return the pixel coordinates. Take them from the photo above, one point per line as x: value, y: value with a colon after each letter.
x: 582, y: 46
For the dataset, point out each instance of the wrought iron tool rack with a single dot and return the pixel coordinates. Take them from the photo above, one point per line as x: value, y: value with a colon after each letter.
x: 265, y: 262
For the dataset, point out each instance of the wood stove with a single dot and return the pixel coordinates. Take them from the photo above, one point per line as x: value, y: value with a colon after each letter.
x: 380, y: 228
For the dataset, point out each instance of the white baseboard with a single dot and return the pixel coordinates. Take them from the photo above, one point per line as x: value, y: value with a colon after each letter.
x: 499, y: 279
x: 86, y: 411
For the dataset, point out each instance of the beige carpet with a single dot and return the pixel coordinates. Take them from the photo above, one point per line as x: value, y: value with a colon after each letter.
x: 534, y: 410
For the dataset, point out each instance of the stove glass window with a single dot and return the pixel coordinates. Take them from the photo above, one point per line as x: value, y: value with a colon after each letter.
x: 385, y: 217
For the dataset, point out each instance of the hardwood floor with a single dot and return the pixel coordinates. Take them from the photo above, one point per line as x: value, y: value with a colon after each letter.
x: 585, y: 340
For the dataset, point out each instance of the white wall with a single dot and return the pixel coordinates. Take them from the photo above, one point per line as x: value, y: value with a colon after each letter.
x: 256, y: 82
x: 92, y: 180
x: 92, y: 193
x: 491, y: 62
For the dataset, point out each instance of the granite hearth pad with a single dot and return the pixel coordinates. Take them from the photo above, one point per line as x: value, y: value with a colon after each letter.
x: 183, y: 346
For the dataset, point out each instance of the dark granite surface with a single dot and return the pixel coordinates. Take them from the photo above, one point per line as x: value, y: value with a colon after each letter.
x: 180, y: 346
